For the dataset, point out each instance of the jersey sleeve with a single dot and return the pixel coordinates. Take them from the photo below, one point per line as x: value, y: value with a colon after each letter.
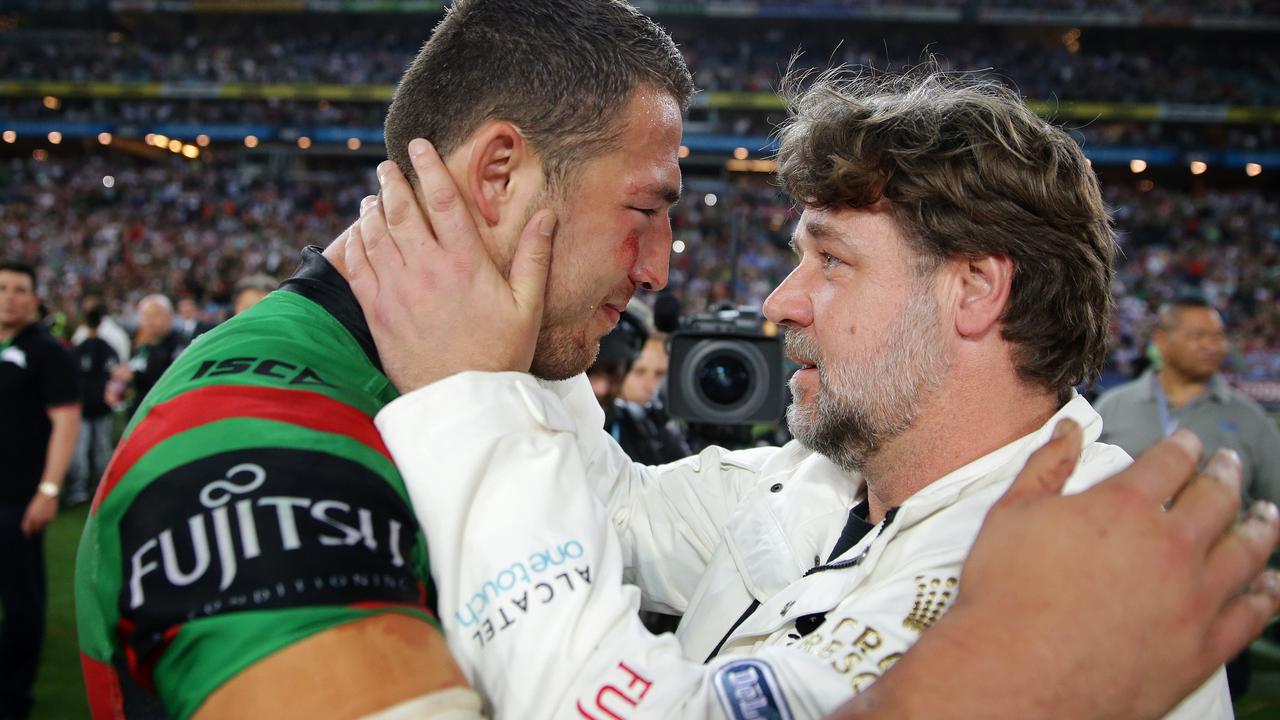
x: 243, y: 513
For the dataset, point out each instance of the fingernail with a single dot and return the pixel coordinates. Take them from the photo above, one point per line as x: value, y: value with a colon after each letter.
x: 382, y: 170
x: 547, y: 224
x: 1264, y: 511
x: 418, y: 147
x: 1064, y: 426
x: 1224, y: 465
x: 1268, y: 582
x: 1188, y: 441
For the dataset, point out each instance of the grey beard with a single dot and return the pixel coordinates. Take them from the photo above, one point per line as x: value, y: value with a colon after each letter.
x: 862, y: 405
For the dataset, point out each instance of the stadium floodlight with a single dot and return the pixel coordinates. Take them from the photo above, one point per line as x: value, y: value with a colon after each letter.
x: 353, y: 143
x: 10, y: 136
x: 52, y: 102
x: 1253, y: 169
x: 175, y: 145
x: 1198, y: 167
x: 677, y: 247
x: 1137, y: 165
x: 55, y: 137
x: 740, y: 153
x: 304, y: 142
x: 159, y: 140
x: 684, y: 152
x: 710, y: 199
x: 104, y: 138
x: 108, y: 181
x: 202, y: 140
x: 250, y: 141
x: 190, y: 151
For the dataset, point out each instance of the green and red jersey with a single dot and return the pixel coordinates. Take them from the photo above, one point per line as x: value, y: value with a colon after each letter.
x: 250, y: 505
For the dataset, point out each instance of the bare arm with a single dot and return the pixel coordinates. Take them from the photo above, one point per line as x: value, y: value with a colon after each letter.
x: 62, y: 443
x: 353, y: 670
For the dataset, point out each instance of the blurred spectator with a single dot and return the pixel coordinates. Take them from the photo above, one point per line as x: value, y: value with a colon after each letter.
x: 190, y: 324
x: 108, y: 330
x: 647, y: 372
x: 249, y: 290
x: 1187, y: 390
x: 645, y: 435
x: 156, y: 346
x: 40, y: 396
x: 96, y: 359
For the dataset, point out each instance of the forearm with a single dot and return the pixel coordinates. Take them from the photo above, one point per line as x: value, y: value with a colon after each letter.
x: 669, y: 518
x: 529, y: 571
x: 62, y: 443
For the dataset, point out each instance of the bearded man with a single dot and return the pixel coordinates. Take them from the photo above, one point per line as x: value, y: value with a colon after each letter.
x: 952, y: 289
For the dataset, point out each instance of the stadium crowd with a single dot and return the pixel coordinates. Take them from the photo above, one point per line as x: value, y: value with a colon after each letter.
x: 742, y: 55
x: 129, y: 228
x: 363, y: 117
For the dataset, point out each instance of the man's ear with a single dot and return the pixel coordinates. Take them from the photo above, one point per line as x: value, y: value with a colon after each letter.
x: 497, y: 152
x: 985, y: 284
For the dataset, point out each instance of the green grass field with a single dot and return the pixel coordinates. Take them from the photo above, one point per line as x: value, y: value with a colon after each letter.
x: 60, y: 694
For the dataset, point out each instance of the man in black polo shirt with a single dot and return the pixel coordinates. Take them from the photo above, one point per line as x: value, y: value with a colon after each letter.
x: 39, y: 419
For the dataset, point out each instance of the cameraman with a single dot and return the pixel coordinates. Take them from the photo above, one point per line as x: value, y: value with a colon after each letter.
x: 644, y: 431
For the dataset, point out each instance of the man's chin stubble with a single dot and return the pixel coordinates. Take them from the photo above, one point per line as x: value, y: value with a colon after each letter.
x: 559, y: 356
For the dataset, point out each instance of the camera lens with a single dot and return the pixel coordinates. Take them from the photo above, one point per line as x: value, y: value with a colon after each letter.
x: 724, y: 379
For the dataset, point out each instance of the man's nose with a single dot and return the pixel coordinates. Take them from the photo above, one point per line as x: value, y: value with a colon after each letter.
x: 788, y: 305
x: 653, y: 264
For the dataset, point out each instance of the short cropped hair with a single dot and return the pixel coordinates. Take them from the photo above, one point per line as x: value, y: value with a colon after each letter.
x: 1169, y: 313
x: 22, y: 268
x: 559, y: 70
x: 970, y: 172
x: 258, y: 281
x: 156, y: 299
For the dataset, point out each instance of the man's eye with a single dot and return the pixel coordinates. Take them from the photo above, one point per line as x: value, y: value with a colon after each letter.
x: 828, y: 260
x: 648, y: 212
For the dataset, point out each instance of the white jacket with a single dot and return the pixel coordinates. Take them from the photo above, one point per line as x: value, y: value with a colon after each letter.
x: 501, y: 469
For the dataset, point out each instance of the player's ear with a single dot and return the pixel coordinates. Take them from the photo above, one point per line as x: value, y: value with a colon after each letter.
x: 984, y: 285
x: 498, y: 152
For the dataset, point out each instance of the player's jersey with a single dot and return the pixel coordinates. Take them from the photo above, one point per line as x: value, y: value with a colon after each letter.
x: 250, y: 505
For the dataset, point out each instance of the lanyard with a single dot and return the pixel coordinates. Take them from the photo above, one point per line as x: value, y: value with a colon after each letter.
x: 1167, y: 424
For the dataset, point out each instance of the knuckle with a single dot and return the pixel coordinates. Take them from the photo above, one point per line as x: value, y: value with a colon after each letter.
x: 442, y: 199
x: 397, y: 213
x: 1130, y: 499
x: 463, y: 264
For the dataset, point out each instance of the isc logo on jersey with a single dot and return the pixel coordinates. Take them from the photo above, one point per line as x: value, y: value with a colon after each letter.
x: 263, y: 528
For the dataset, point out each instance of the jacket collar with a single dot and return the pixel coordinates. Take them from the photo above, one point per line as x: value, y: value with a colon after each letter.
x: 320, y: 282
x: 774, y: 537
x: 1217, y: 389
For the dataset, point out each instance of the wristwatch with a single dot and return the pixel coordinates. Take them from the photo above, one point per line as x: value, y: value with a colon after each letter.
x: 48, y: 489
